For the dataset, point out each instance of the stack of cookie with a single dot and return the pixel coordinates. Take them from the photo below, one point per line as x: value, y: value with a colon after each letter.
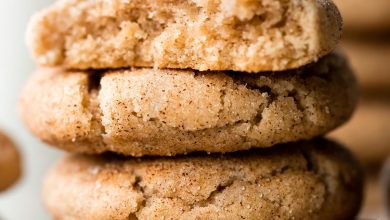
x: 153, y: 82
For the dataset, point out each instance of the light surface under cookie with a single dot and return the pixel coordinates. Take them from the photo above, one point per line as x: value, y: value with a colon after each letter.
x: 10, y: 163
x: 167, y: 112
x: 240, y: 35
x: 308, y: 180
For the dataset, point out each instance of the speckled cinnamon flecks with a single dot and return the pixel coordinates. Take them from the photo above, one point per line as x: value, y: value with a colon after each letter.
x: 167, y: 112
x: 308, y: 180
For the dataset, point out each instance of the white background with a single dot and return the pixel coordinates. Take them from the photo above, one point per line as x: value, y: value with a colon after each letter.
x: 24, y: 200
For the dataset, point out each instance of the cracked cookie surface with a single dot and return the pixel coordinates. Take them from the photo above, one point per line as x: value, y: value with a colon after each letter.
x: 166, y: 112
x: 10, y: 162
x: 306, y: 180
x: 240, y: 35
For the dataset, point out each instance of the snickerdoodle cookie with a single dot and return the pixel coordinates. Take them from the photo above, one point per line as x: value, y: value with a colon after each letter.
x: 10, y: 162
x: 240, y: 35
x: 307, y: 180
x: 166, y: 112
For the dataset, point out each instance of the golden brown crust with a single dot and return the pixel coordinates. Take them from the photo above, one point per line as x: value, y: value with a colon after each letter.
x: 10, y: 163
x: 240, y: 35
x: 307, y: 180
x: 167, y: 112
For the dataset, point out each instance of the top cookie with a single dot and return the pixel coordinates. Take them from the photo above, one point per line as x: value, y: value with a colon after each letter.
x: 240, y: 35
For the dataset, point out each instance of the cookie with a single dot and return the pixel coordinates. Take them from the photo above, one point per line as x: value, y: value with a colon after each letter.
x: 240, y: 35
x: 370, y: 60
x: 10, y: 164
x: 308, y: 180
x: 363, y: 15
x: 368, y: 133
x: 166, y: 112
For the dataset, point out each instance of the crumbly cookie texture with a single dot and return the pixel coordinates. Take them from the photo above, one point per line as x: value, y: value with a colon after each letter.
x: 166, y: 112
x: 363, y: 15
x: 308, y: 180
x: 10, y: 162
x: 240, y: 35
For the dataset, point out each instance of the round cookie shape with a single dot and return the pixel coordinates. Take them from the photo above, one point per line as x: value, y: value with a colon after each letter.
x: 239, y: 35
x: 167, y: 112
x: 10, y: 163
x: 307, y: 180
x: 363, y: 15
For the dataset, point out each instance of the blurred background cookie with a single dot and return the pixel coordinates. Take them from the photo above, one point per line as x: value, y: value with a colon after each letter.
x: 10, y: 163
x: 370, y: 59
x: 365, y: 15
x: 368, y: 132
x: 366, y: 42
